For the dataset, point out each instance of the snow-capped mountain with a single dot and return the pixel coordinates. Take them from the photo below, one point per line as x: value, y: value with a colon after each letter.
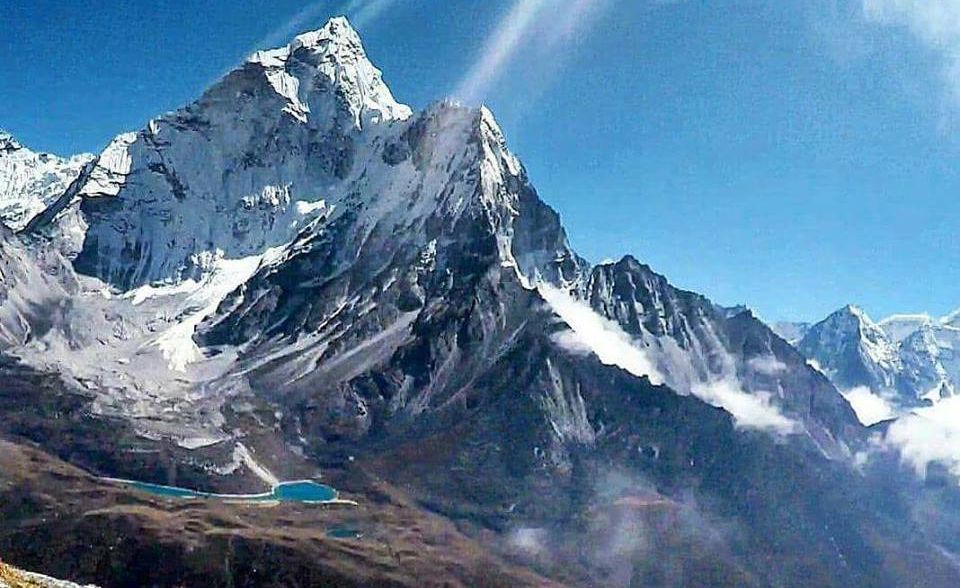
x: 852, y: 350
x: 30, y: 181
x: 262, y: 153
x: 296, y: 271
x: 296, y: 213
x: 906, y: 359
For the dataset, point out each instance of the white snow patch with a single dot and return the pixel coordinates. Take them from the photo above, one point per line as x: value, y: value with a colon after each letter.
x: 176, y: 343
x: 242, y: 454
x: 304, y: 207
x: 192, y: 443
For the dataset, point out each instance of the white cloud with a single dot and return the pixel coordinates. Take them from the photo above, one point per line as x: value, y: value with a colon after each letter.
x: 869, y: 407
x: 936, y: 23
x: 750, y: 410
x: 927, y: 435
x: 594, y: 333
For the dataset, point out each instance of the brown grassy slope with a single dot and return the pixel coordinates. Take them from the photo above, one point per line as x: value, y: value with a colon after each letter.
x: 59, y: 520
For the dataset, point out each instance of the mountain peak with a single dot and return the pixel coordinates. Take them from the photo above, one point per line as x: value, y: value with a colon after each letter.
x: 852, y: 349
x: 332, y: 55
x: 855, y: 311
x: 337, y: 30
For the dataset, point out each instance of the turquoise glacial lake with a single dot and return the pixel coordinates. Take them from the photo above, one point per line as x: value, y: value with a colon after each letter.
x: 302, y: 491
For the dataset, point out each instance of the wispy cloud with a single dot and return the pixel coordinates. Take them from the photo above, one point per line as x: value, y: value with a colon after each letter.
x: 936, y: 23
x: 365, y: 12
x: 870, y: 408
x: 927, y: 435
x: 750, y: 410
x: 282, y: 34
x: 533, y: 27
x: 592, y: 333
x: 500, y: 46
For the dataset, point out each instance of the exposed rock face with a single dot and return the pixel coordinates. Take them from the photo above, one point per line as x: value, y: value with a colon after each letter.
x: 30, y: 181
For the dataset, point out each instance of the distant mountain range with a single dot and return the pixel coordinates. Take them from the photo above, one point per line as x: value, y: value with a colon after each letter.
x: 296, y: 276
x: 908, y: 360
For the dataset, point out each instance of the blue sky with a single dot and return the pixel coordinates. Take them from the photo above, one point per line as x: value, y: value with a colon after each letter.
x: 791, y: 155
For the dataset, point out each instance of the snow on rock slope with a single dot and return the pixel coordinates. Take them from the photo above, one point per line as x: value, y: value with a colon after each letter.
x: 30, y: 181
x: 35, y: 291
x: 242, y: 169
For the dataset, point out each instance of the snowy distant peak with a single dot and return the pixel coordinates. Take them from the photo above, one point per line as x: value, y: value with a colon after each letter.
x: 30, y: 181
x: 906, y: 358
x: 852, y: 350
x: 900, y: 326
x: 854, y: 312
x: 852, y: 316
x: 332, y: 55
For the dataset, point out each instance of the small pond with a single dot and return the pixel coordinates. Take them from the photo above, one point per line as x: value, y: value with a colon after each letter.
x: 344, y: 533
x: 306, y: 491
